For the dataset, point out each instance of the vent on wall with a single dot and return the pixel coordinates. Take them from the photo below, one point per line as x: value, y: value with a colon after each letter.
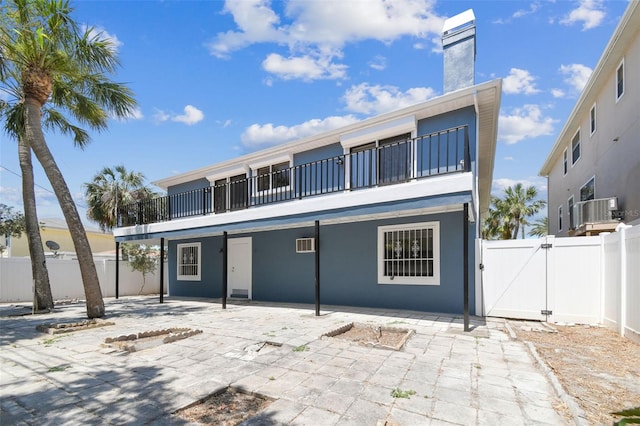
x: 305, y: 245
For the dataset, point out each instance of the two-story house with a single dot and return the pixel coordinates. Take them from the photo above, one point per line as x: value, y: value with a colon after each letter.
x: 593, y: 170
x: 380, y: 213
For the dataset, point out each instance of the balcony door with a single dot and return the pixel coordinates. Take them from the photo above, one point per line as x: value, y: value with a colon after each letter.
x: 384, y: 162
x: 236, y: 189
x: 394, y: 157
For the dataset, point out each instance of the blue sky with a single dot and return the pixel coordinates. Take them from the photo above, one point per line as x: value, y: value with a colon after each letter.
x: 214, y: 80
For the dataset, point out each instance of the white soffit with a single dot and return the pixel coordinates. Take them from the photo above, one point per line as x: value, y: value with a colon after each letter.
x: 380, y: 131
x: 271, y: 160
x: 229, y: 172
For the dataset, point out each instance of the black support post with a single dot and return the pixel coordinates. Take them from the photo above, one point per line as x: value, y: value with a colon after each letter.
x: 224, y: 270
x: 117, y: 269
x: 317, y: 254
x: 465, y: 236
x: 161, y: 270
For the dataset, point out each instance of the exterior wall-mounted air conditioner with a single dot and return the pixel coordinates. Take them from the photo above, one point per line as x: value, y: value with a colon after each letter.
x: 305, y: 245
x: 595, y: 211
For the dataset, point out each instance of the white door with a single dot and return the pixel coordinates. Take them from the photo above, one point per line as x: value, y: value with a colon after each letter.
x: 239, y: 267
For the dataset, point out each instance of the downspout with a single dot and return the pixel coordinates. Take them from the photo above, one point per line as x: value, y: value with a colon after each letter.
x: 224, y: 270
x: 474, y: 169
x: 317, y: 263
x: 477, y: 272
x: 117, y: 269
x: 465, y: 249
x: 161, y: 270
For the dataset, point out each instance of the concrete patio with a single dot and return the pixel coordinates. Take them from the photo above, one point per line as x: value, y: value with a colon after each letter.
x: 480, y: 377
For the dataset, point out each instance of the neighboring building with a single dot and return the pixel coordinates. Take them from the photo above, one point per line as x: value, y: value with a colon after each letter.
x: 593, y: 170
x: 56, y: 230
x: 372, y: 212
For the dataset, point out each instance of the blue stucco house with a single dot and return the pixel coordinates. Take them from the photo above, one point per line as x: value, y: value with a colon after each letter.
x: 381, y: 213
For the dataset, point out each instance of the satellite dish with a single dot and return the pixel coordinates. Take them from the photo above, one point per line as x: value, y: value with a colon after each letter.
x: 53, y: 246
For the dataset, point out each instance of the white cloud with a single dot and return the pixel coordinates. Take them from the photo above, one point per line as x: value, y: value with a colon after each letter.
x: 102, y: 34
x: 256, y: 22
x: 367, y: 99
x: 378, y: 63
x: 499, y: 185
x: 520, y: 13
x: 192, y: 115
x: 557, y: 93
x: 508, y: 158
x: 316, y: 31
x: 136, y: 114
x: 533, y: 7
x: 303, y: 67
x: 577, y: 75
x: 519, y: 82
x: 524, y: 123
x: 262, y: 135
x: 160, y: 116
x: 589, y: 12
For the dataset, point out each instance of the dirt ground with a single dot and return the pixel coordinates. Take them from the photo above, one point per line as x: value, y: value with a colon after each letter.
x: 228, y: 408
x: 382, y: 336
x: 596, y: 366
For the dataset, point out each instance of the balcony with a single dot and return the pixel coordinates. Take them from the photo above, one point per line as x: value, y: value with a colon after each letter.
x: 594, y: 216
x: 435, y: 154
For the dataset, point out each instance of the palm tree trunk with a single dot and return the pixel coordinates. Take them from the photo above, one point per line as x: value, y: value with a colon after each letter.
x: 43, y: 297
x: 33, y: 133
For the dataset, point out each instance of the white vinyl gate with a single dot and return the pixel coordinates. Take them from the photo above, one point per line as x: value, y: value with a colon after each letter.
x: 549, y: 279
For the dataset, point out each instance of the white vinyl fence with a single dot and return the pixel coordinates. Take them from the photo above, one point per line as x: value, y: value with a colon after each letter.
x: 16, y: 283
x: 588, y: 280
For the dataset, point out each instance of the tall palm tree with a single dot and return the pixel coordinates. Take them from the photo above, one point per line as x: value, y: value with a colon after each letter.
x: 43, y: 299
x: 54, y: 68
x: 507, y: 214
x: 111, y: 188
x: 13, y: 117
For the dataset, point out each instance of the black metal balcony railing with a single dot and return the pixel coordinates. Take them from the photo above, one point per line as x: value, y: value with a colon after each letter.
x: 443, y: 152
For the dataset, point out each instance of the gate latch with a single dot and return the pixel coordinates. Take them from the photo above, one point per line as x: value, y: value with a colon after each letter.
x: 546, y: 245
x: 546, y: 312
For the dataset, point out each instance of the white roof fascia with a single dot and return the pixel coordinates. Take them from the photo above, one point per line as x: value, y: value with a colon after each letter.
x: 627, y: 27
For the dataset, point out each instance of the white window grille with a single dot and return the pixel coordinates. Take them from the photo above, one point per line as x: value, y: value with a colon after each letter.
x: 409, y: 254
x: 189, y: 262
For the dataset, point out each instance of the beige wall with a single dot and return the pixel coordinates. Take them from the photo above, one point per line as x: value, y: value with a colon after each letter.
x: 98, y: 241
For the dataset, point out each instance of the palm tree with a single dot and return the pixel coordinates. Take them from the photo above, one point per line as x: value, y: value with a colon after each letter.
x: 521, y: 204
x: 111, y: 188
x: 13, y: 117
x: 507, y: 214
x: 540, y: 228
x: 46, y: 59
